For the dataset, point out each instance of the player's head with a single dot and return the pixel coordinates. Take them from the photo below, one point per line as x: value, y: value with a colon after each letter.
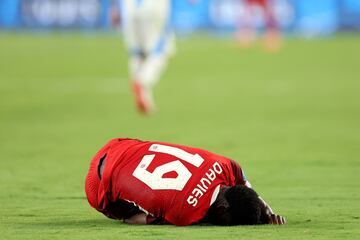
x: 237, y: 205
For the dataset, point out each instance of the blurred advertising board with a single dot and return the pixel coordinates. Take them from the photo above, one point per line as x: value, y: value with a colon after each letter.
x: 53, y: 13
x: 230, y: 13
x: 316, y: 19
x: 305, y: 17
x: 349, y: 14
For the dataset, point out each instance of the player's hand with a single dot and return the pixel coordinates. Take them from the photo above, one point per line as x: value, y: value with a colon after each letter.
x: 276, y: 219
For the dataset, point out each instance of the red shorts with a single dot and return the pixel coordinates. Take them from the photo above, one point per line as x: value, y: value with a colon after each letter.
x: 262, y: 3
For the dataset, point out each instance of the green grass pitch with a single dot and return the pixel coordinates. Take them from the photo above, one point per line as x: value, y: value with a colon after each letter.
x: 291, y: 119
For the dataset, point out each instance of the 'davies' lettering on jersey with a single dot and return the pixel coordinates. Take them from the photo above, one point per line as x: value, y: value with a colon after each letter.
x: 204, y: 184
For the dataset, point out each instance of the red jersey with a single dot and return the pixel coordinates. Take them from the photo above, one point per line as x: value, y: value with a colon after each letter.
x: 168, y: 181
x: 258, y: 2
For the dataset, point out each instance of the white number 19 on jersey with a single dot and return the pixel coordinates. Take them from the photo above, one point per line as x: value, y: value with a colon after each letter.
x: 155, y: 179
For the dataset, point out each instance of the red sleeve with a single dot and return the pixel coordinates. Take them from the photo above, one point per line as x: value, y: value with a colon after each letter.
x: 238, y: 173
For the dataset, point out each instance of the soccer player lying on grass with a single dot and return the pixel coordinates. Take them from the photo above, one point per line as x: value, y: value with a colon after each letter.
x: 143, y: 182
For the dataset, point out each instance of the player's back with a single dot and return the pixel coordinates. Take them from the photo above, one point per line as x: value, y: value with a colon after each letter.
x: 173, y: 182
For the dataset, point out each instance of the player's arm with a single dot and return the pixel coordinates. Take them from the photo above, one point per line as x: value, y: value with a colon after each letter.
x: 268, y: 216
x: 139, y: 218
x: 134, y: 215
x: 143, y: 218
x: 121, y: 209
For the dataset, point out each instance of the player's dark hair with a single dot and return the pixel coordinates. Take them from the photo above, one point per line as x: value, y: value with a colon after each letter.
x: 238, y: 205
x: 244, y: 204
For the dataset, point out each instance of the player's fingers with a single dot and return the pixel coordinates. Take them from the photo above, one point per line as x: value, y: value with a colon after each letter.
x: 277, y: 219
x: 280, y: 220
x: 273, y: 219
x: 283, y: 220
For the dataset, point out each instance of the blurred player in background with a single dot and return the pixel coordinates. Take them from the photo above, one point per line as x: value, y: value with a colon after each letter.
x: 246, y: 32
x: 150, y: 42
x: 144, y: 182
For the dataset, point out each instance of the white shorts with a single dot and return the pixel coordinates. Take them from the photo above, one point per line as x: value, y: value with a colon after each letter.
x: 146, y: 25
